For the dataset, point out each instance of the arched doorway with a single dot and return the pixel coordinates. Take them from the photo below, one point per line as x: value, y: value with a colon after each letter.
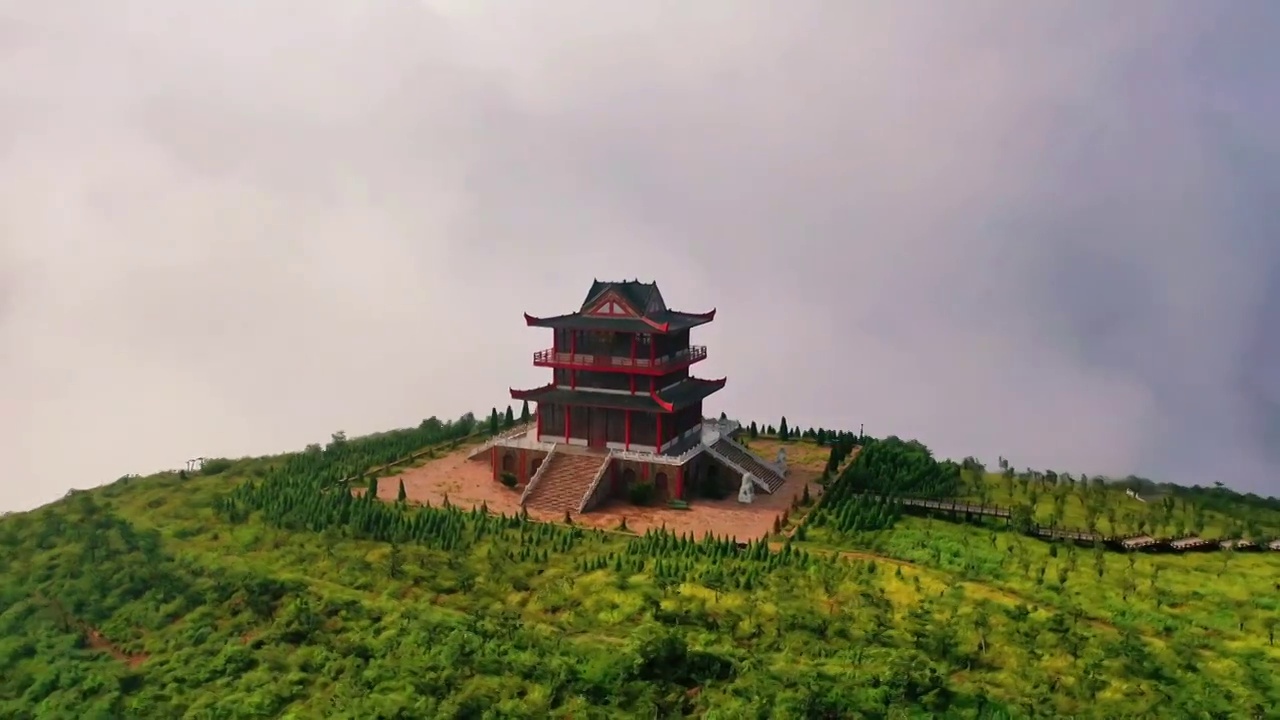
x: 509, y: 462
x: 711, y: 482
x: 660, y: 484
x: 628, y: 478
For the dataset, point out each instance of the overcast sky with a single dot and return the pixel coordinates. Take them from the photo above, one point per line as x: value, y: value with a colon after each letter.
x: 1047, y: 230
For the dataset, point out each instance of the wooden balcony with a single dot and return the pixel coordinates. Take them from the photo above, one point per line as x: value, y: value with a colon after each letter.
x: 613, y: 363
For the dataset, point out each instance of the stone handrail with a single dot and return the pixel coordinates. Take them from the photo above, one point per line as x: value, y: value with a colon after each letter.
x: 745, y: 472
x: 658, y: 459
x: 780, y: 469
x: 725, y: 427
x: 690, y: 454
x: 595, y: 482
x: 516, y: 431
x: 537, y: 475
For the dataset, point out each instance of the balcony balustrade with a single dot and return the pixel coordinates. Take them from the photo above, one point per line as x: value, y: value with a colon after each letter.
x: 605, y: 363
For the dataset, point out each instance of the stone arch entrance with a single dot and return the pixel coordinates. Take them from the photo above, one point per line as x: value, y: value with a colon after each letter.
x: 628, y: 478
x: 660, y: 484
x: 509, y: 462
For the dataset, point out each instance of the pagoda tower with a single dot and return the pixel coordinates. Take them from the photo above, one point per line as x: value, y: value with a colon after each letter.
x: 620, y: 372
x: 622, y: 417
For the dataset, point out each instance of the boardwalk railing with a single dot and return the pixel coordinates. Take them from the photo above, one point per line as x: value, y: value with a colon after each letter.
x: 948, y: 505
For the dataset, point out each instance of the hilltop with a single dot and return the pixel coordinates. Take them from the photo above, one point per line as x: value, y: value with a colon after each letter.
x: 354, y: 581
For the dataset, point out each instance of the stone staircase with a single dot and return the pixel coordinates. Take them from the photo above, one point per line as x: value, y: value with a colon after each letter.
x: 769, y: 478
x: 565, y: 481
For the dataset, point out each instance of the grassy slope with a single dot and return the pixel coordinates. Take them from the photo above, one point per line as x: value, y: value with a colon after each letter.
x: 1204, y: 619
x: 255, y: 621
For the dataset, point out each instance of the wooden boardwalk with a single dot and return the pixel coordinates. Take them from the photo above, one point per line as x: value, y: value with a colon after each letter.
x: 947, y: 506
x: 1119, y: 542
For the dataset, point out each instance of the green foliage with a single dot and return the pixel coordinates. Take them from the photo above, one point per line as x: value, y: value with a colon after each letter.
x: 893, y: 466
x: 524, y: 412
x: 1101, y: 506
x: 855, y: 513
x: 641, y: 493
x: 215, y: 466
x: 508, y: 478
x: 271, y: 591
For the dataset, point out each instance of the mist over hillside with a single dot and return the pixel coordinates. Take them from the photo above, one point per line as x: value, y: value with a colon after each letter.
x: 1037, y: 230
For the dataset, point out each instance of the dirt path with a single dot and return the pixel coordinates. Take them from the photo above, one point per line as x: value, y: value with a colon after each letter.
x: 98, y: 642
x: 93, y: 637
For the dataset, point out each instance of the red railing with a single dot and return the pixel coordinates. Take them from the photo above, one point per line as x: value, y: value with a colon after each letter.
x: 581, y: 361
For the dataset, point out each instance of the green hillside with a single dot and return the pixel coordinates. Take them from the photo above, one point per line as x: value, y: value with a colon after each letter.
x: 1105, y: 506
x: 263, y: 588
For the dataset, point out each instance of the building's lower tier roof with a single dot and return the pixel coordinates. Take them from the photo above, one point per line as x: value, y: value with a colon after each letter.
x: 662, y: 322
x: 673, y: 398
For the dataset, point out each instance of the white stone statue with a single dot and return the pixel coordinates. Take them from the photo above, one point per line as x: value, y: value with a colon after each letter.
x: 747, y: 493
x: 781, y: 462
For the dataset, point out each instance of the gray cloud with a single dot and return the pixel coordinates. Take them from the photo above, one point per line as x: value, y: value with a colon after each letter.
x: 1043, y: 230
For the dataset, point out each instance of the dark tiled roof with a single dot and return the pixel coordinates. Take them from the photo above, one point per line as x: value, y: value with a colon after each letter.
x: 668, y: 321
x: 640, y: 296
x: 636, y: 293
x: 689, y: 391
x: 686, y: 393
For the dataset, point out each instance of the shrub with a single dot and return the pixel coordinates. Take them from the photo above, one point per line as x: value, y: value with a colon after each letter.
x: 508, y: 478
x: 215, y: 466
x: 641, y: 493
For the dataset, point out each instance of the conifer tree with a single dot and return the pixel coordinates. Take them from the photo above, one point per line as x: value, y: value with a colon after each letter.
x: 754, y: 431
x: 509, y: 420
x: 401, y: 496
x: 524, y: 412
x: 493, y: 421
x: 782, y: 428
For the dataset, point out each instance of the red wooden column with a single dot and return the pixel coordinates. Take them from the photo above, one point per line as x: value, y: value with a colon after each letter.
x: 679, y: 482
x: 538, y: 417
x: 632, y: 377
x: 627, y: 424
x: 568, y: 410
x: 573, y: 361
x: 659, y: 442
